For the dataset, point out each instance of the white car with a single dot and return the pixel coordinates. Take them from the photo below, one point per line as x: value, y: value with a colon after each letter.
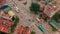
x: 17, y: 9
x: 38, y: 19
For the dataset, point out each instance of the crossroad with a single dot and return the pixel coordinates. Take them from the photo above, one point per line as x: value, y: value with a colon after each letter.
x: 25, y: 15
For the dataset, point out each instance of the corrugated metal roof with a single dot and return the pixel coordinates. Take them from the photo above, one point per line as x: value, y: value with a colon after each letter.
x: 55, y: 24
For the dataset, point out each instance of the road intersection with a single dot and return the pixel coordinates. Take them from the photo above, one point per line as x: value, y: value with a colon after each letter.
x: 25, y: 16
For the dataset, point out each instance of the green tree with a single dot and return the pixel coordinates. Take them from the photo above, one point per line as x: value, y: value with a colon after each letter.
x: 13, y: 18
x: 25, y: 3
x: 16, y: 19
x: 32, y: 32
x: 56, y: 17
x: 27, y: 27
x: 0, y: 1
x: 35, y: 7
x: 15, y: 24
x: 3, y: 32
x: 54, y: 29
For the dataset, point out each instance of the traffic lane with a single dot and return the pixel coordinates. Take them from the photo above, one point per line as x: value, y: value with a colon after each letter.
x: 47, y: 27
x: 35, y: 28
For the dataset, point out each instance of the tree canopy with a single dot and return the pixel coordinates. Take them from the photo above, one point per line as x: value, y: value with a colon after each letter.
x: 32, y: 32
x: 57, y: 17
x: 0, y: 1
x: 35, y: 7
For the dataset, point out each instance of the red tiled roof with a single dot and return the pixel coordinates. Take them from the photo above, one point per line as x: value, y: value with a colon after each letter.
x: 7, y: 22
x: 4, y: 28
x: 6, y: 15
x: 27, y: 31
x: 2, y: 3
x: 20, y: 29
x: 1, y: 26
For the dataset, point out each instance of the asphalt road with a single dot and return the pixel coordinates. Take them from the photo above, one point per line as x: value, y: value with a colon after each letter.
x: 26, y: 18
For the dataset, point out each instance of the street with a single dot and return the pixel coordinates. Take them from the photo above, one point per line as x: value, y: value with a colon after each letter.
x: 26, y: 18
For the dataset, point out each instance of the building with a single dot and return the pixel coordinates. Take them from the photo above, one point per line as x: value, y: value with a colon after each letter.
x: 6, y: 12
x: 2, y: 2
x: 5, y: 25
x: 20, y: 30
x: 27, y: 31
x: 23, y: 30
x: 50, y: 10
x: 55, y: 25
x: 11, y: 13
x: 6, y: 15
x: 6, y: 8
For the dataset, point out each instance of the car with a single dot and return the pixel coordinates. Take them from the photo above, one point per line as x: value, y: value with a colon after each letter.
x: 38, y: 19
x: 16, y: 9
x: 20, y: 30
x: 27, y: 31
x: 41, y: 27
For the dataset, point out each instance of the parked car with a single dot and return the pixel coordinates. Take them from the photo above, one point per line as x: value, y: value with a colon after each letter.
x: 38, y: 19
x: 41, y: 28
x: 20, y: 30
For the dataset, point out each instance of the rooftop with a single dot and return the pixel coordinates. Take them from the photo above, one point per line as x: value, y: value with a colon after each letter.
x: 51, y: 10
x: 4, y: 25
x: 6, y: 15
x: 55, y: 24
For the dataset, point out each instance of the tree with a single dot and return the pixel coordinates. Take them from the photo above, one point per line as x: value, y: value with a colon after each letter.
x: 25, y: 3
x: 32, y: 32
x: 56, y: 17
x: 15, y: 24
x: 38, y: 0
x: 54, y: 29
x: 26, y: 27
x: 34, y: 8
x: 0, y: 1
x: 13, y: 18
x: 3, y: 32
x: 17, y: 19
x: 40, y: 16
